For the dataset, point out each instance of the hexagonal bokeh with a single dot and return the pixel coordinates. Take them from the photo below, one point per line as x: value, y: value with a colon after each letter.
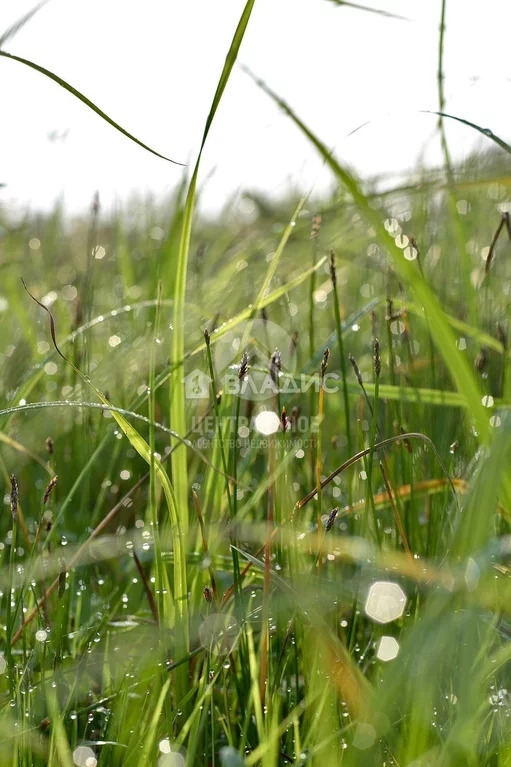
x: 385, y: 602
x: 387, y: 649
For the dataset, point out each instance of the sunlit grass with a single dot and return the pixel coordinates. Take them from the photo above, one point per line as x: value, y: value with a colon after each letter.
x: 320, y: 575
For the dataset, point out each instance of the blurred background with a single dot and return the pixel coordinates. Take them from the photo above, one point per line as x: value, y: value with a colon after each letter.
x: 153, y: 67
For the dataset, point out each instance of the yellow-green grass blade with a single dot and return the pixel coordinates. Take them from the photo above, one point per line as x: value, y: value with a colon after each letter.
x: 485, y: 131
x: 150, y: 736
x: 177, y: 396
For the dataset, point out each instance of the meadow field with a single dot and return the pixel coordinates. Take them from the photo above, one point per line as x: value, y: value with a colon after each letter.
x: 256, y: 489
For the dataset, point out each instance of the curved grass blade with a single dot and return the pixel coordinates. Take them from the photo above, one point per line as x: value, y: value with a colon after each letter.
x: 378, y: 446
x: 149, y: 736
x: 484, y: 131
x: 86, y: 101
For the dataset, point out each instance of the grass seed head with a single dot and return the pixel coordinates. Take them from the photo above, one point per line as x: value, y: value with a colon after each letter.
x: 14, y: 497
x: 324, y: 361
x: 331, y: 519
x: 356, y: 369
x: 208, y: 594
x: 243, y: 367
x: 377, y: 358
x: 333, y: 273
x: 49, y: 489
x: 50, y: 446
x: 275, y: 366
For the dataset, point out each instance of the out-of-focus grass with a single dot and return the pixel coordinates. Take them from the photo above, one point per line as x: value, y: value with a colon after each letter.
x: 246, y: 627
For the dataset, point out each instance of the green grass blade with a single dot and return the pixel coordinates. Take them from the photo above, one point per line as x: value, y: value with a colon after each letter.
x: 484, y: 131
x: 177, y: 395
x: 86, y: 101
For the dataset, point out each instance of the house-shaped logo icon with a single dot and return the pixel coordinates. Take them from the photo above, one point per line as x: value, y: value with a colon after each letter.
x: 196, y: 385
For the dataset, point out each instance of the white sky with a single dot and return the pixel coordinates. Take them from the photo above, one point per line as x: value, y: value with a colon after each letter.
x: 153, y: 67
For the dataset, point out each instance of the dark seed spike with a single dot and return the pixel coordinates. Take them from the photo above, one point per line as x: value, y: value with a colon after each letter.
x: 283, y: 419
x: 331, y: 519
x: 360, y: 382
x: 52, y: 323
x: 49, y: 489
x: 324, y: 361
x: 275, y: 366
x: 356, y: 369
x: 50, y: 445
x: 413, y: 243
x: 333, y: 273
x: 14, y: 497
x: 243, y: 367
x: 503, y: 222
x: 208, y: 594
x: 377, y: 358
x: 207, y: 337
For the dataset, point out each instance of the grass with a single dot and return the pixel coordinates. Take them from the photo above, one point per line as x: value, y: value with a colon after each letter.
x: 187, y: 581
